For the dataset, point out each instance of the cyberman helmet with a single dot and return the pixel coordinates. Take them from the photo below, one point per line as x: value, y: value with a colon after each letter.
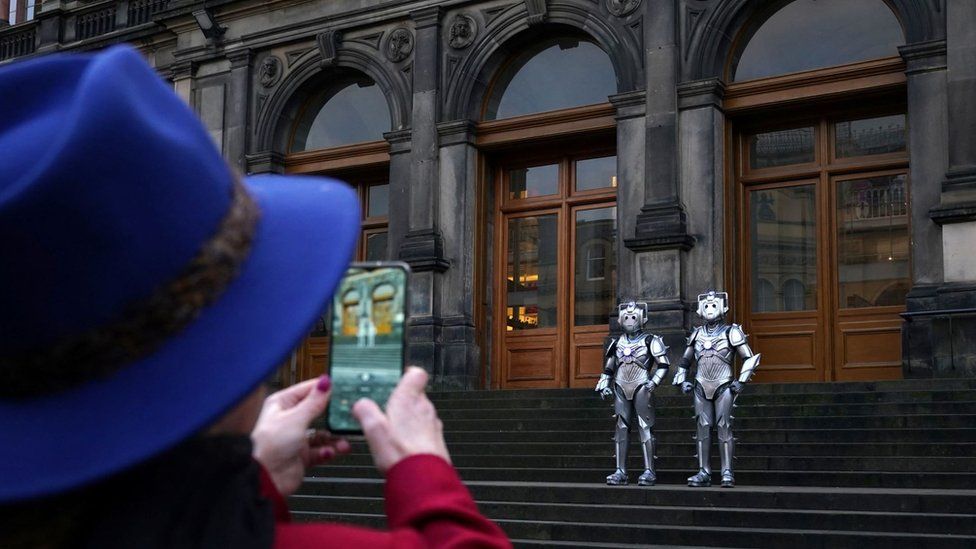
x: 632, y: 316
x: 713, y: 305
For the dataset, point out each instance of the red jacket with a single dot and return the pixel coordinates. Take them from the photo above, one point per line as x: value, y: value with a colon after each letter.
x: 426, y: 506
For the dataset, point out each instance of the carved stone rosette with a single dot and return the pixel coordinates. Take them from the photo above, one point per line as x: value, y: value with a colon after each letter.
x: 622, y: 8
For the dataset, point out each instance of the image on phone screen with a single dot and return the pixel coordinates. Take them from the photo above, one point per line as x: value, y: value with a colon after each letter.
x: 368, y: 317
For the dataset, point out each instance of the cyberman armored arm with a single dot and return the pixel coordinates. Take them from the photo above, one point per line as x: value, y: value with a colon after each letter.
x: 659, y: 351
x: 681, y: 375
x: 603, y: 385
x: 750, y: 360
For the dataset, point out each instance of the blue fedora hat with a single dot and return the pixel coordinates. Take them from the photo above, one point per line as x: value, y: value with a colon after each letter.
x: 144, y: 288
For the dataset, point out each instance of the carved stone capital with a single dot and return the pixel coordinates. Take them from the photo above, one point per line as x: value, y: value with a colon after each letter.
x: 456, y: 132
x: 629, y: 105
x: 661, y: 227
x: 240, y: 58
x: 924, y: 56
x: 265, y: 162
x: 399, y: 140
x: 423, y: 250
x: 182, y: 70
x: 960, y: 178
x: 707, y: 92
x: 426, y: 17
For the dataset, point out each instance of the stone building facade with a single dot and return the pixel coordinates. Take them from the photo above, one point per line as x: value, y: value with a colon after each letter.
x: 535, y: 161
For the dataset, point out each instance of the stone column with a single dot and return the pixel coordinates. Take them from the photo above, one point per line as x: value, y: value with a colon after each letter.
x: 423, y: 245
x: 399, y: 178
x: 181, y: 73
x: 927, y: 138
x: 661, y: 233
x: 701, y: 137
x: 631, y: 130
x: 237, y: 108
x: 460, y: 364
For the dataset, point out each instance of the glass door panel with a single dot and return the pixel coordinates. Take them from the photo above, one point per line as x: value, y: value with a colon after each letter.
x: 784, y: 249
x: 533, y: 182
x: 532, y: 271
x: 783, y: 282
x: 595, y: 271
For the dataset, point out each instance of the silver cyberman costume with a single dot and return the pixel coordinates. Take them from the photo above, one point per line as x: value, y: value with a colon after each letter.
x: 713, y: 347
x: 629, y: 361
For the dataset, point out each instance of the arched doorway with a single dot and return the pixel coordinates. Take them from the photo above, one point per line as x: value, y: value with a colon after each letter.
x: 819, y: 190
x: 554, y: 216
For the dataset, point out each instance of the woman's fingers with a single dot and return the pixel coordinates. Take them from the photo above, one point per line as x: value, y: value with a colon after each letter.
x: 314, y: 402
x: 376, y: 428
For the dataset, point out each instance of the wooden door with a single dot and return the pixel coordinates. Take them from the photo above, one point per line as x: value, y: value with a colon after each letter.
x: 824, y: 245
x: 556, y: 265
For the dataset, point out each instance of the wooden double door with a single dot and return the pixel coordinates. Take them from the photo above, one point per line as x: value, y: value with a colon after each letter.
x: 555, y: 265
x: 823, y: 261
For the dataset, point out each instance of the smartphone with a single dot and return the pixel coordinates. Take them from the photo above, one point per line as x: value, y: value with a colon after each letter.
x: 367, y: 347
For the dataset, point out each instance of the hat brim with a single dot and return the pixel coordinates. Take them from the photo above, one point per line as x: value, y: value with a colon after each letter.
x: 304, y: 241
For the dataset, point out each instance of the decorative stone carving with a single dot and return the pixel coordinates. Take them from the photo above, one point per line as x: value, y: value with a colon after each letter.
x: 328, y: 43
x: 399, y: 45
x: 462, y: 32
x: 537, y: 11
x: 270, y: 72
x: 620, y: 8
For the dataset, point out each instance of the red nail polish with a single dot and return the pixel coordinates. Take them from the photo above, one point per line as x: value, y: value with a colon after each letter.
x: 327, y: 453
x: 325, y: 382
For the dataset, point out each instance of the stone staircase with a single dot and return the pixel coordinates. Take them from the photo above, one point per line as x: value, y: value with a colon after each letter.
x: 882, y: 464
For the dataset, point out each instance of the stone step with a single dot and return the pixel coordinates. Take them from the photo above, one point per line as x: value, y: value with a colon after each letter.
x: 670, y: 447
x: 582, y: 533
x: 669, y: 398
x: 741, y: 411
x: 913, y: 435
x: 799, y: 464
x: 776, y: 497
x: 928, y: 421
x: 844, y: 520
x: 677, y: 476
x: 935, y: 384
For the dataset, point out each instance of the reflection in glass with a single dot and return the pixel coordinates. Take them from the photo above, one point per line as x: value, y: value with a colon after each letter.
x: 553, y: 74
x: 872, y: 241
x: 532, y: 182
x: 378, y: 201
x: 353, y: 112
x: 783, y: 249
x: 531, y: 272
x: 596, y: 265
x: 880, y: 135
x: 812, y: 34
x: 376, y: 246
x: 781, y: 148
x: 596, y: 173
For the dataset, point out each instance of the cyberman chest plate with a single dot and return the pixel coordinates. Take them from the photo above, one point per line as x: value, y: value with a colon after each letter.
x: 714, y: 355
x: 632, y: 362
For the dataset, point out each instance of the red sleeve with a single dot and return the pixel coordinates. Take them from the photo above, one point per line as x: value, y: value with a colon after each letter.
x: 426, y: 506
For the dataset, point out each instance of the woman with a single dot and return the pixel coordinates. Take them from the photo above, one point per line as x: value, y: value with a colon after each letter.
x: 147, y: 294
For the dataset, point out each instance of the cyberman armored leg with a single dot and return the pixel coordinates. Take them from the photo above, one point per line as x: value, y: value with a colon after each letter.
x: 726, y: 442
x: 624, y: 410
x: 644, y: 406
x: 704, y: 420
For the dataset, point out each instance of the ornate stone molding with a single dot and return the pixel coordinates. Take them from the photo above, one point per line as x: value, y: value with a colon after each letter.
x: 265, y: 162
x: 629, y: 105
x: 947, y: 214
x: 924, y: 56
x: 456, y: 132
x: 661, y: 227
x: 182, y: 70
x: 328, y: 43
x: 622, y: 8
x: 708, y: 92
x: 240, y: 58
x: 462, y: 31
x: 423, y: 250
x: 537, y: 11
x: 960, y: 178
x: 399, y: 44
x: 399, y: 140
x: 270, y: 72
x: 426, y: 17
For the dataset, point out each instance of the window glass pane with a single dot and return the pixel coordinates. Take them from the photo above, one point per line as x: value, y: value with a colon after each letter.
x: 378, y: 201
x: 781, y: 148
x: 812, y: 34
x: 596, y: 265
x: 376, y: 246
x: 353, y: 112
x: 596, y: 173
x: 553, y: 74
x: 534, y: 181
x: 872, y: 241
x: 531, y: 272
x: 880, y: 135
x: 783, y: 249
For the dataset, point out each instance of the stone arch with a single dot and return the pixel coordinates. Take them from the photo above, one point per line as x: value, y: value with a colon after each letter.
x: 721, y: 32
x: 510, y: 31
x: 280, y: 111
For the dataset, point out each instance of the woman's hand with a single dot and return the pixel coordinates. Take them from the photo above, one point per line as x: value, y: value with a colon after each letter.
x: 284, y: 444
x: 409, y: 427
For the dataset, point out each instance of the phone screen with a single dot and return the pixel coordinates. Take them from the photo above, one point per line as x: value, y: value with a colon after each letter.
x: 368, y: 326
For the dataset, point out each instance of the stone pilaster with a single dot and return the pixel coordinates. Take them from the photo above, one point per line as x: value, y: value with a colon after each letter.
x: 631, y: 131
x: 237, y: 109
x: 181, y: 73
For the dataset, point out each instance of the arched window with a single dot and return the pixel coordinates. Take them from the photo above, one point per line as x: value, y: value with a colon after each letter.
x: 813, y: 34
x: 764, y: 298
x: 553, y: 74
x: 352, y: 109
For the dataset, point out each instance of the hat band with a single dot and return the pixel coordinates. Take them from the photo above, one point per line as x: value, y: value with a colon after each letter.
x: 143, y: 326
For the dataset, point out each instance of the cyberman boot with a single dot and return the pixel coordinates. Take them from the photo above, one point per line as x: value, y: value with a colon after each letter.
x: 726, y: 448
x: 619, y: 477
x: 648, y: 478
x: 703, y: 477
